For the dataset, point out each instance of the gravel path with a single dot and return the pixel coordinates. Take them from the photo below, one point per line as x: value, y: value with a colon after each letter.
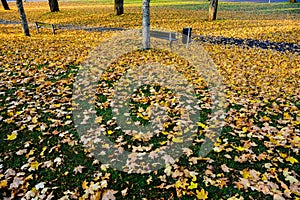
x: 277, y: 46
x: 69, y: 27
x: 85, y: 28
x: 2, y: 21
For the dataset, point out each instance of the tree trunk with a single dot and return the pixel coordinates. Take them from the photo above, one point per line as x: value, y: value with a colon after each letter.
x: 146, y: 24
x: 119, y: 7
x: 293, y: 1
x: 213, y: 7
x: 23, y: 17
x: 5, y: 5
x: 53, y: 5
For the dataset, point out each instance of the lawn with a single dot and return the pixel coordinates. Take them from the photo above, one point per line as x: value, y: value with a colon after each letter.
x: 255, y: 157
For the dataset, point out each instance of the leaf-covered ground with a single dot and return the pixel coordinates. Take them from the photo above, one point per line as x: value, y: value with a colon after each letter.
x: 42, y: 157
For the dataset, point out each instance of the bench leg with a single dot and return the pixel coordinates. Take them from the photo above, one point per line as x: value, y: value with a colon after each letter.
x: 37, y: 27
x: 170, y: 39
x: 53, y: 29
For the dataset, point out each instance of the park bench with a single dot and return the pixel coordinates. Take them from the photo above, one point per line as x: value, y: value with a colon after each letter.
x: 39, y: 25
x: 170, y: 36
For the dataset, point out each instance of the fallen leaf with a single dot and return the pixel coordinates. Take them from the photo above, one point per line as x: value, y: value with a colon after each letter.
x: 35, y: 165
x: 292, y: 160
x: 109, y: 195
x: 12, y: 136
x: 201, y: 194
x: 3, y: 183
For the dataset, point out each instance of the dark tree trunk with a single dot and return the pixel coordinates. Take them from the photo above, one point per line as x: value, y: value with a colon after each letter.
x: 213, y: 7
x: 119, y: 7
x: 5, y: 5
x: 23, y: 17
x: 53, y: 5
x: 146, y: 24
x: 293, y: 1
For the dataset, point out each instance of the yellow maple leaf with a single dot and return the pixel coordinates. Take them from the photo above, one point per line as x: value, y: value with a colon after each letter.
x: 202, y: 194
x: 30, y: 177
x: 244, y: 129
x: 177, y: 140
x: 10, y: 113
x: 31, y: 152
x: 12, y: 136
x: 84, y: 185
x: 264, y: 177
x: 165, y: 132
x: 142, y: 116
x: 286, y: 116
x: 35, y: 165
x: 246, y: 174
x: 57, y: 105
x: 266, y: 118
x: 193, y: 185
x: 292, y: 160
x: 3, y: 183
x: 283, y: 155
x: 34, y: 120
x: 201, y: 125
x: 180, y: 184
x: 239, y: 148
x: 8, y: 121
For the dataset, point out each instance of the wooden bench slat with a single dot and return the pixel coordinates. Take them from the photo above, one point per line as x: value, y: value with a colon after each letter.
x: 170, y: 36
x: 163, y: 35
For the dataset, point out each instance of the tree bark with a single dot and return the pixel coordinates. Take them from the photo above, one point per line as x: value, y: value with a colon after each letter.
x: 5, y: 5
x: 119, y: 7
x: 23, y: 17
x: 213, y: 7
x: 293, y: 1
x: 146, y: 24
x: 53, y: 5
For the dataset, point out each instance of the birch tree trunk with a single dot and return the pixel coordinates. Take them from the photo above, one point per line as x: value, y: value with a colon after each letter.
x: 146, y: 24
x: 119, y: 7
x: 23, y: 17
x: 53, y: 5
x: 5, y: 5
x: 213, y: 7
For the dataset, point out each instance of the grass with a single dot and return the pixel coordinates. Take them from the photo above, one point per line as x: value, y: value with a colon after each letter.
x: 282, y: 7
x: 286, y: 8
x: 277, y: 26
x: 257, y: 143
